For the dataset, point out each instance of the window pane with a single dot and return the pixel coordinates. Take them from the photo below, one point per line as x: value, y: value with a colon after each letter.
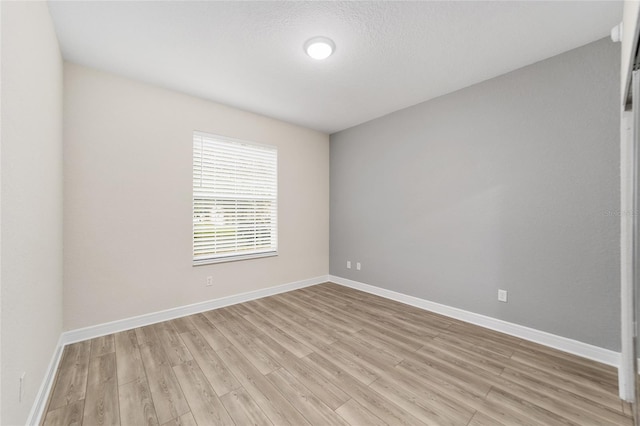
x: 234, y: 198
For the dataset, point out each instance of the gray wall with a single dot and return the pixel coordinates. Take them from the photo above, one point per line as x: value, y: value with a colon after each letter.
x: 510, y: 184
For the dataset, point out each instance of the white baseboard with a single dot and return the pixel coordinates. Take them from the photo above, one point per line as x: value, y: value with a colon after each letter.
x: 561, y: 343
x: 93, y: 331
x: 40, y: 403
x: 72, y: 336
x: 564, y: 344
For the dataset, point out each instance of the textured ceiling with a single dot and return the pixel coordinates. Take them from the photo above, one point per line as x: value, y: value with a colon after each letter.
x: 389, y: 55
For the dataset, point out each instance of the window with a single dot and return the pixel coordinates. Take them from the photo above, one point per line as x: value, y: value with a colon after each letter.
x: 235, y: 199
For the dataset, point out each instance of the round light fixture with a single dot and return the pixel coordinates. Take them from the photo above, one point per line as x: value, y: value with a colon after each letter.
x: 319, y: 47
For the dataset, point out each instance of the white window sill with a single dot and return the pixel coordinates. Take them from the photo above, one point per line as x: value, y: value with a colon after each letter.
x: 234, y: 258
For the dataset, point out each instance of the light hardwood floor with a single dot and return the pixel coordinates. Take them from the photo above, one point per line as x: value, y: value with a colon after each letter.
x: 327, y: 355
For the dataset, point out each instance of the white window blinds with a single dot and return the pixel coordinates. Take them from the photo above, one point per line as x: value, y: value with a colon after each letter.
x: 235, y: 205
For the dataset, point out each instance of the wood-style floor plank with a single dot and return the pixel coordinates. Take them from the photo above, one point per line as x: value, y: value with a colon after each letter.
x: 355, y: 414
x: 136, y: 405
x: 183, y: 324
x: 428, y: 365
x: 212, y: 366
x: 574, y: 407
x: 67, y: 415
x: 421, y: 378
x: 523, y: 409
x: 101, y: 405
x: 305, y: 307
x: 274, y: 405
x: 291, y: 316
x: 167, y: 395
x: 102, y: 345
x: 212, y: 335
x: 326, y: 391
x: 243, y: 409
x: 146, y: 335
x: 327, y: 354
x: 311, y: 407
x: 174, y: 349
x: 434, y: 409
x: 292, y: 328
x: 205, y: 405
x: 128, y: 358
x: 71, y: 382
x: 381, y: 407
x: 288, y: 342
x: 261, y: 360
x: 480, y: 419
x: 184, y: 420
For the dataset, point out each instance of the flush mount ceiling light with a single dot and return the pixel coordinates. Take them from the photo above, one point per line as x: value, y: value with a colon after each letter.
x: 319, y: 47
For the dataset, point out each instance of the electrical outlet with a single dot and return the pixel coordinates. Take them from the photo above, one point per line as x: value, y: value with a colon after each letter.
x: 358, y: 266
x: 348, y: 264
x: 21, y: 386
x: 502, y: 295
x: 209, y: 281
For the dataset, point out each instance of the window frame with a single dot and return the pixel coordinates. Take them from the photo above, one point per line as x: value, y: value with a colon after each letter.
x: 233, y: 256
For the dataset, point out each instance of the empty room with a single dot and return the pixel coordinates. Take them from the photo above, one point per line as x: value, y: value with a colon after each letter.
x: 319, y: 213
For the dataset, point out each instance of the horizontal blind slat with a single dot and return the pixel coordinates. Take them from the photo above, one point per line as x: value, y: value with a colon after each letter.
x: 234, y: 198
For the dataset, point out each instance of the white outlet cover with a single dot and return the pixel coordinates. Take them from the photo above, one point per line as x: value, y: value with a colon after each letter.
x: 502, y: 295
x: 348, y: 264
x: 358, y: 266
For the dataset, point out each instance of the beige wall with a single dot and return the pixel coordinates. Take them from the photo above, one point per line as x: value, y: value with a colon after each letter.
x: 128, y: 176
x: 31, y: 188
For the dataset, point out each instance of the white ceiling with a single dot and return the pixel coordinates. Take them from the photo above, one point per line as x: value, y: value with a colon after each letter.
x: 389, y: 55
